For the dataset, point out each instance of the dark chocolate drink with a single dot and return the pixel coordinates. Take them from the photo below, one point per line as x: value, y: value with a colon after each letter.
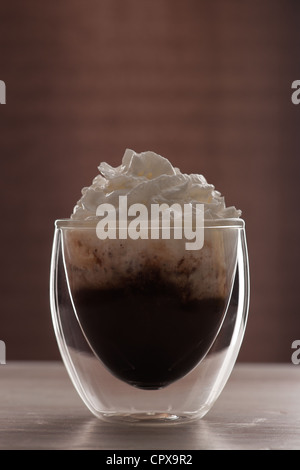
x: 148, y: 332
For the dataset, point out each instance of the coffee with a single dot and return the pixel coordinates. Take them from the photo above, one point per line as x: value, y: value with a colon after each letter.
x: 148, y: 332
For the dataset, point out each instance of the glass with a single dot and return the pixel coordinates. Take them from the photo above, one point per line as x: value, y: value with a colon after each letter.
x: 148, y: 331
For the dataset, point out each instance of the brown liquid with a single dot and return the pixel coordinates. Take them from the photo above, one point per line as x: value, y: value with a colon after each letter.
x: 148, y: 333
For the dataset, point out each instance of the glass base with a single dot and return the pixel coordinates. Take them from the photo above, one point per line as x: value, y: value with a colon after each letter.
x: 151, y: 418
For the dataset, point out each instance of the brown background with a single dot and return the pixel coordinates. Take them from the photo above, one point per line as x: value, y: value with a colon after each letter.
x: 207, y: 84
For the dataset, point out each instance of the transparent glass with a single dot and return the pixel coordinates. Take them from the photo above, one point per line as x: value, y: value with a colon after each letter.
x: 149, y: 332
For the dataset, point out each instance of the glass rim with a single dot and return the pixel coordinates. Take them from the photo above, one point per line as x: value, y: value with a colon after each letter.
x: 88, y: 224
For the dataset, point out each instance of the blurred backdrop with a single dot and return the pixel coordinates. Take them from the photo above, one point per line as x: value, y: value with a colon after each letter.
x: 206, y: 84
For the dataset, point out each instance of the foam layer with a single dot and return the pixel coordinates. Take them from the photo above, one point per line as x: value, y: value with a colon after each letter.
x: 148, y: 178
x: 95, y: 264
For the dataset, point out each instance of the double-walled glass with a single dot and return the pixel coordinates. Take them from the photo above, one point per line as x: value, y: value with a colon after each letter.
x: 148, y: 331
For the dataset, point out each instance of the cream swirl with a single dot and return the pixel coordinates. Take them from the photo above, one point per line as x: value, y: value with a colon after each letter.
x: 148, y: 178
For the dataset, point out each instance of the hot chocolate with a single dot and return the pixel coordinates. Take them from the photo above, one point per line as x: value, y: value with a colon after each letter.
x: 149, y: 309
x: 147, y: 331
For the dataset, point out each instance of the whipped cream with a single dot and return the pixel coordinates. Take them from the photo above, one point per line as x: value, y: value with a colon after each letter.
x: 148, y: 178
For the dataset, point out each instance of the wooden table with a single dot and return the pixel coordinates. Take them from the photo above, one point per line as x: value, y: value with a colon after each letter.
x: 258, y: 409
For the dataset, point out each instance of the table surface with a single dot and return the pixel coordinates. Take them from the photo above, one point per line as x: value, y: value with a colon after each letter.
x: 259, y: 408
